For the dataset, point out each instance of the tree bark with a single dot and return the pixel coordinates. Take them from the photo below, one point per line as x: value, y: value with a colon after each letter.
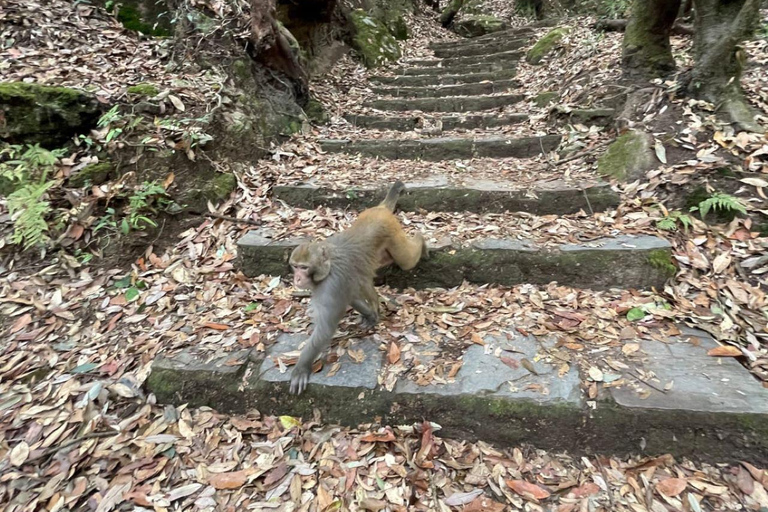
x: 646, y: 49
x: 272, y: 49
x: 620, y: 25
x: 720, y: 26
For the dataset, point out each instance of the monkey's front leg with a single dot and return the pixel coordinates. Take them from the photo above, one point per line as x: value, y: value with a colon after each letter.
x: 327, y: 318
x: 367, y: 304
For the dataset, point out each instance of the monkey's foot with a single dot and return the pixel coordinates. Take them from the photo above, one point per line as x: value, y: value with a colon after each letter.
x: 368, y: 323
x: 299, y: 380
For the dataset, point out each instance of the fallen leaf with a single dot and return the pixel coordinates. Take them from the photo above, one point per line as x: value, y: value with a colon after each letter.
x: 725, y: 351
x: 19, y: 454
x: 671, y: 486
x: 393, y: 355
x: 528, y: 490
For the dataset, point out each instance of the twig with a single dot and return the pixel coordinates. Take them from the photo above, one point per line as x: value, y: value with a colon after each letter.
x: 92, y: 435
x: 589, y: 204
x: 230, y: 219
x: 605, y: 479
x: 583, y: 153
x: 652, y: 386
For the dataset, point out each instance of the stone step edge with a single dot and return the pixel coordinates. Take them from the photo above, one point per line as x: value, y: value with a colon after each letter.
x: 449, y: 122
x: 436, y: 91
x: 480, y: 48
x: 551, y: 198
x: 240, y: 381
x: 461, y: 79
x: 621, y: 262
x: 445, y: 148
x: 448, y: 62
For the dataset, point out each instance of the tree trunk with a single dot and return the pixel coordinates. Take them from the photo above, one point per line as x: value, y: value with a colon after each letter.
x: 272, y: 49
x: 720, y: 25
x: 646, y: 49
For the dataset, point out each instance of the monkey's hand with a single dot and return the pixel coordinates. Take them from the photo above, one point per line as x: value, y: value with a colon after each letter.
x: 299, y: 379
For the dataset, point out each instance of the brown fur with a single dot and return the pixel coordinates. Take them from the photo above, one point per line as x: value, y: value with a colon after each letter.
x: 340, y: 271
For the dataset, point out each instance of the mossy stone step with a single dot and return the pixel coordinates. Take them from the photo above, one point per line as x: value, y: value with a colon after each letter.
x: 714, y: 411
x: 427, y: 80
x: 445, y: 148
x: 465, y: 122
x: 504, y: 57
x: 447, y: 104
x: 466, y: 69
x: 512, y: 33
x: 475, y: 196
x: 625, y: 262
x: 481, y: 48
x: 448, y: 90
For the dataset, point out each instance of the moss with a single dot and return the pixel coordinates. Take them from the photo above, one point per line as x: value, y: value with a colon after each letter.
x: 661, y: 259
x: 627, y: 157
x: 399, y: 28
x: 44, y: 114
x: 223, y: 185
x: 545, y: 98
x: 202, y: 23
x: 94, y: 174
x: 372, y: 40
x: 315, y: 112
x: 478, y: 25
x: 450, y: 11
x: 144, y: 89
x: 242, y: 70
x: 545, y: 45
x: 144, y: 16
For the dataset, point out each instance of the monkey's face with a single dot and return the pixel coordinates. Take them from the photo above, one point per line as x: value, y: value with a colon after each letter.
x: 311, y: 263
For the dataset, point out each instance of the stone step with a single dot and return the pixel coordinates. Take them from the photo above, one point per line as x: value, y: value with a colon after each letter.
x: 481, y: 48
x: 466, y: 69
x: 447, y: 104
x: 513, y: 33
x: 448, y: 90
x: 477, y: 196
x: 641, y: 262
x: 504, y: 57
x: 427, y: 80
x: 713, y: 411
x: 444, y: 148
x: 465, y: 122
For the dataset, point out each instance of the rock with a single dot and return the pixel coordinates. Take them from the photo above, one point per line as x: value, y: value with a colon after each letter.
x: 143, y: 89
x: 373, y: 40
x: 545, y: 98
x: 399, y: 28
x: 545, y: 45
x: 315, y: 112
x: 629, y: 157
x: 149, y: 17
x: 478, y: 25
x: 93, y: 174
x: 46, y: 115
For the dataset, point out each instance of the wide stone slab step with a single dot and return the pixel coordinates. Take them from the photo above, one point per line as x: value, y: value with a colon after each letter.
x: 457, y: 122
x: 692, y: 405
x: 482, y: 67
x: 512, y: 33
x: 448, y: 90
x: 480, y: 48
x: 640, y: 262
x: 440, y: 79
x: 445, y: 148
x: 447, y: 104
x: 505, y: 57
x: 474, y: 196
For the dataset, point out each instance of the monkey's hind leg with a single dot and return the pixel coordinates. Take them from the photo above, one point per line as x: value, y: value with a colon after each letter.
x: 367, y: 304
x: 407, y: 252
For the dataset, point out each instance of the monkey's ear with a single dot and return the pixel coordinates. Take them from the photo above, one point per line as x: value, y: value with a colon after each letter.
x: 323, y: 265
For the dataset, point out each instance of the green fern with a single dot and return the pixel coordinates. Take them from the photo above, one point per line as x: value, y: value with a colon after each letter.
x: 720, y: 201
x: 669, y: 222
x: 29, y: 213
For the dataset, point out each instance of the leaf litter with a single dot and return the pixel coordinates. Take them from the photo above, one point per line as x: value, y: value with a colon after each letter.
x: 78, y: 432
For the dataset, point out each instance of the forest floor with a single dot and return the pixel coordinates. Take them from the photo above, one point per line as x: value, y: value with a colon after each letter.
x: 77, y: 430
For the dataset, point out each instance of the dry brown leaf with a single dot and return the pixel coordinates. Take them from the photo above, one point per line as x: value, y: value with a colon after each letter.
x: 393, y: 354
x: 724, y: 351
x: 528, y: 490
x: 671, y: 486
x: 230, y: 480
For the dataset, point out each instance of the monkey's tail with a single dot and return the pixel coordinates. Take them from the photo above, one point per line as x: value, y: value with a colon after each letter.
x: 395, y: 190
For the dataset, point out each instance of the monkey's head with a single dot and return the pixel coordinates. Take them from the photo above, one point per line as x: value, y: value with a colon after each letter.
x: 311, y: 263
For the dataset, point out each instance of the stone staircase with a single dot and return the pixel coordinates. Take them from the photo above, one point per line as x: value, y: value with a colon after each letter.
x: 713, y: 409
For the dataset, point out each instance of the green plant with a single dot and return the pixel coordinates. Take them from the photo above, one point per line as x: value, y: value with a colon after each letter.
x: 24, y: 174
x: 147, y: 198
x: 670, y: 221
x: 720, y: 201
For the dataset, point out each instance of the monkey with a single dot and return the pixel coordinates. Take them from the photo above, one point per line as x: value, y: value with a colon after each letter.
x: 340, y: 271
